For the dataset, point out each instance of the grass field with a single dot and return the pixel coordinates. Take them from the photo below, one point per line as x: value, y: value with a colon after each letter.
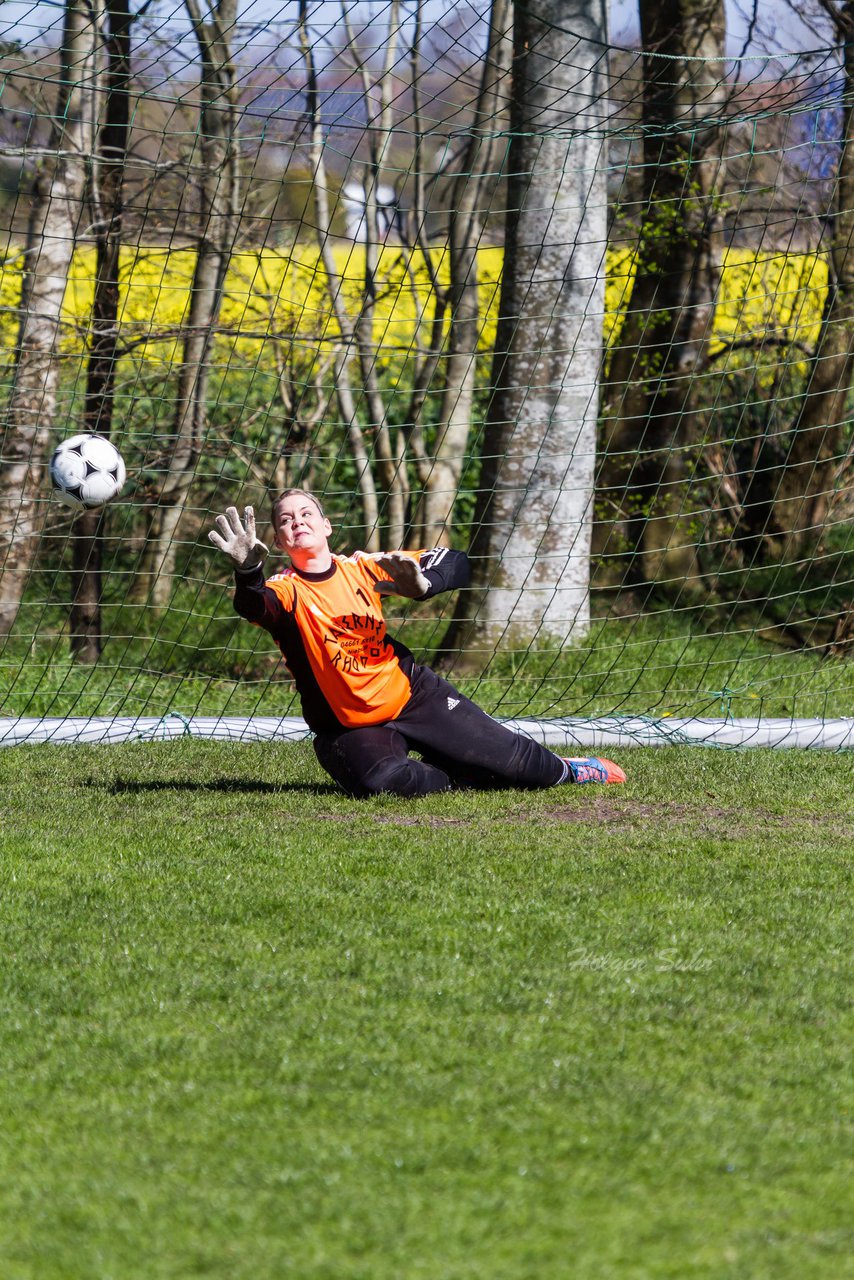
x: 253, y: 1029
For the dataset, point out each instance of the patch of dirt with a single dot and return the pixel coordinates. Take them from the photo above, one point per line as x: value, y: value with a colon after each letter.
x: 615, y: 814
x: 398, y: 819
x: 611, y: 813
x: 431, y: 821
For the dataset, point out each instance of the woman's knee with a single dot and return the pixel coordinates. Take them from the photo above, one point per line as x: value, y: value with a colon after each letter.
x: 373, y: 762
x: 404, y: 778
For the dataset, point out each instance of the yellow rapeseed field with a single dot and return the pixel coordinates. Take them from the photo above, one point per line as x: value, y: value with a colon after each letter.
x: 269, y: 293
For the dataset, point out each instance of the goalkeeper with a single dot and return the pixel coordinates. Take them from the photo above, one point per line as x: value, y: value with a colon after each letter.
x: 363, y: 695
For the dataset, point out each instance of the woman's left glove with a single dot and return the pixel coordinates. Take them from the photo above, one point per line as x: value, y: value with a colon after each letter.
x: 404, y: 575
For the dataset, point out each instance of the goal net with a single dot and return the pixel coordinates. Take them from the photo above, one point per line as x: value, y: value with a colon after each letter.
x: 579, y: 303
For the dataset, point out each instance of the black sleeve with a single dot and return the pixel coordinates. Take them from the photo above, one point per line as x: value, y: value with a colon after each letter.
x: 445, y: 570
x: 254, y: 600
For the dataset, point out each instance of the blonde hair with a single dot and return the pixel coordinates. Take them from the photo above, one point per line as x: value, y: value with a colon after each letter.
x: 294, y: 493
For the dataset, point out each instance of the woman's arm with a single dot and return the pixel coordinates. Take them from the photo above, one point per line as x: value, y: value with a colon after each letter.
x: 418, y: 575
x: 255, y: 601
x: 445, y: 570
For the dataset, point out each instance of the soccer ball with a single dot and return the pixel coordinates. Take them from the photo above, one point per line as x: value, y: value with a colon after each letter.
x: 87, y: 471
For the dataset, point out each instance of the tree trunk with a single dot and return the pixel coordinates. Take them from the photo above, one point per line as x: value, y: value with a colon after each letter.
x: 218, y: 224
x: 51, y: 237
x: 798, y: 493
x: 379, y: 133
x: 664, y: 342
x: 435, y: 514
x: 334, y: 285
x: 107, y: 172
x: 531, y: 547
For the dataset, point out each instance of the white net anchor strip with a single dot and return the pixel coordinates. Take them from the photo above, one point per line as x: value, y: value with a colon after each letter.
x: 605, y: 733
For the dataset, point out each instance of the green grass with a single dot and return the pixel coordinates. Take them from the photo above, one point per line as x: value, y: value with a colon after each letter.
x: 253, y: 1029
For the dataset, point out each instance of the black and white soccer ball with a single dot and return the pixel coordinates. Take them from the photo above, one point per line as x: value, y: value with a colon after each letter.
x: 87, y: 471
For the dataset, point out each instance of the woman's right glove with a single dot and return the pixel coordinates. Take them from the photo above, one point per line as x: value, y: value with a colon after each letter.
x: 239, y: 540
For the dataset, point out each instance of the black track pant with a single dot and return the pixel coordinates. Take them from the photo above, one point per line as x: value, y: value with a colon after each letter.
x: 460, y: 745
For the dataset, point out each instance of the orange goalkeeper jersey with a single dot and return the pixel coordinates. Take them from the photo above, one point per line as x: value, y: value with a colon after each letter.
x: 331, y: 631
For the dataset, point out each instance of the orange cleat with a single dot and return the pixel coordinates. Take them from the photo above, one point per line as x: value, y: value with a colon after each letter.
x: 592, y: 769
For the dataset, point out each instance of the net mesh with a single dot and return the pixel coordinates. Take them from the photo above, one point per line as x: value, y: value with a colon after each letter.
x: 585, y: 311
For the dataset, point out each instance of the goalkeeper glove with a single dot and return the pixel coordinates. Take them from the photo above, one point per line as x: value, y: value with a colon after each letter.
x: 239, y: 541
x: 404, y: 575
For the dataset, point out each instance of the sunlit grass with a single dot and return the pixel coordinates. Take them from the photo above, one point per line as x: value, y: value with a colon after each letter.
x: 254, y: 1029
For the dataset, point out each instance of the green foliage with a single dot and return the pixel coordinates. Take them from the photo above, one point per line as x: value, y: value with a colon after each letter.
x: 198, y: 657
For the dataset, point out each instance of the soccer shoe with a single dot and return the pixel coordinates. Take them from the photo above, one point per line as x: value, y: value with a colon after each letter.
x: 592, y: 769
